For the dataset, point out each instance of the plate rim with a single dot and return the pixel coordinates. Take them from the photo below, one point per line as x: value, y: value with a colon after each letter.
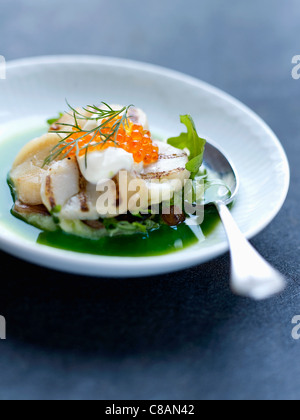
x: 90, y: 265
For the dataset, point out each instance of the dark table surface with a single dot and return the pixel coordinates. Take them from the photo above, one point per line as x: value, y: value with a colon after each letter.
x: 184, y: 335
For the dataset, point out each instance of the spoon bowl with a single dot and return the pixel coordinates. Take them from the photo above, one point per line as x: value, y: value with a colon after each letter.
x: 216, y: 161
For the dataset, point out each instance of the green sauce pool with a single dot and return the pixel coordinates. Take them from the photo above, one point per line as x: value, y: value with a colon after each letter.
x: 162, y: 241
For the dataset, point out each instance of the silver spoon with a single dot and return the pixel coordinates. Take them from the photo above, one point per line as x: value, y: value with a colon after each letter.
x: 251, y: 275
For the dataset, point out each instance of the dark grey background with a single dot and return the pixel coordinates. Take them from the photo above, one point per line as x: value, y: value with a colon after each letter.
x: 183, y: 335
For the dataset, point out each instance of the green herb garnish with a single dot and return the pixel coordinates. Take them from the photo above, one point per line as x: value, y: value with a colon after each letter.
x: 192, y: 142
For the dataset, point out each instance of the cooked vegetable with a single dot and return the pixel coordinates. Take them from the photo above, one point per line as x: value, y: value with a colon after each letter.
x: 110, y: 228
x: 37, y: 216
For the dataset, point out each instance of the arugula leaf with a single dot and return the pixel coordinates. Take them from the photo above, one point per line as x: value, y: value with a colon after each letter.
x: 192, y: 142
x: 54, y: 120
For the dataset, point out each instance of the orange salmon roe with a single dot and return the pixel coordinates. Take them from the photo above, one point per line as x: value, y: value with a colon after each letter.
x: 135, y: 139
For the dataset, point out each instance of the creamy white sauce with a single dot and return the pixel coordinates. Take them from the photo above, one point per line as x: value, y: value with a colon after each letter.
x: 107, y: 164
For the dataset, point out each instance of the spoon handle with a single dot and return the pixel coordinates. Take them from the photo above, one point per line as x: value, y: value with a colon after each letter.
x: 251, y: 275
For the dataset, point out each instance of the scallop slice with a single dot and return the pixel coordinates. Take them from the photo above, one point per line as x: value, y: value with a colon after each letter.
x: 171, y: 164
x: 60, y: 182
x: 83, y: 205
x: 27, y: 179
x: 139, y: 117
x: 166, y: 176
x: 27, y: 171
x: 37, y: 150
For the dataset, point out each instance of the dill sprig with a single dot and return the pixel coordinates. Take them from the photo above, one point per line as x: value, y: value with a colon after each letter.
x: 68, y: 144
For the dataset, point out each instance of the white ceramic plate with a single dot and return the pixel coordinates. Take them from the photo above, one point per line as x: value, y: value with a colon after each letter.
x: 36, y: 89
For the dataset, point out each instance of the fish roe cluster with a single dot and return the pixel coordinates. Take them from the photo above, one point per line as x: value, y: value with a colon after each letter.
x: 133, y: 139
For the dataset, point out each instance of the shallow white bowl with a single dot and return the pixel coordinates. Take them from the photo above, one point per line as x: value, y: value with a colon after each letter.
x: 35, y: 89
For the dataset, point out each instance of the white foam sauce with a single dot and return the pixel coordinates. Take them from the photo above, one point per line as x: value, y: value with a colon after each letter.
x: 104, y: 165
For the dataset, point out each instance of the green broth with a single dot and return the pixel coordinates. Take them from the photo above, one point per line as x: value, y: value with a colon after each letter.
x: 165, y: 240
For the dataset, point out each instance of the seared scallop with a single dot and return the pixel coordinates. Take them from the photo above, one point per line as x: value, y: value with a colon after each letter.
x: 27, y: 171
x: 171, y: 164
x: 59, y: 183
x: 37, y: 150
x: 166, y: 176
